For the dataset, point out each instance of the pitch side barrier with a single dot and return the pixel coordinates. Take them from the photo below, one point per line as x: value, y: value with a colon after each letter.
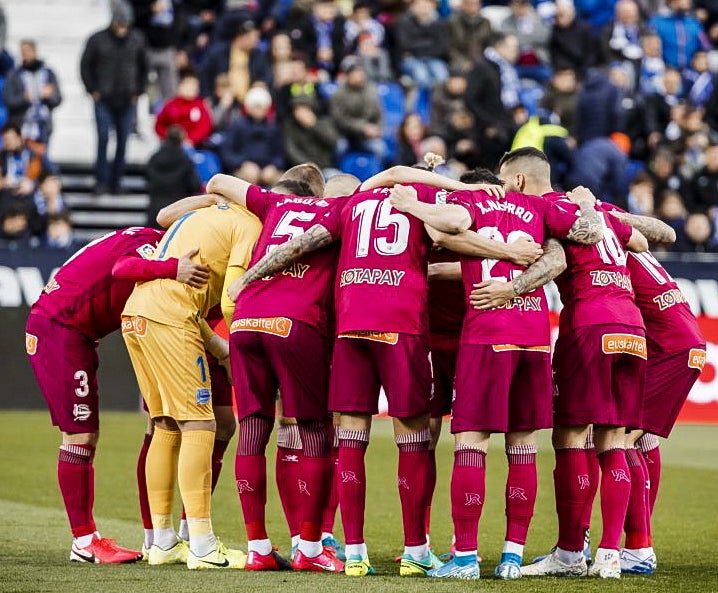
x: 23, y: 275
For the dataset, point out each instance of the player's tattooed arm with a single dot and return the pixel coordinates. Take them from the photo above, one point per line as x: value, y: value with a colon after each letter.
x: 169, y: 214
x: 656, y: 231
x: 522, y: 252
x: 448, y: 218
x: 281, y: 256
x: 494, y: 293
x: 588, y: 228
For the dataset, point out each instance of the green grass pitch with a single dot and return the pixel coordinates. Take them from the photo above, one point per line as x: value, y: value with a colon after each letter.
x: 35, y: 539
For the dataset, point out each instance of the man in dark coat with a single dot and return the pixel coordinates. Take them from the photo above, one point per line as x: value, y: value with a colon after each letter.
x: 114, y: 71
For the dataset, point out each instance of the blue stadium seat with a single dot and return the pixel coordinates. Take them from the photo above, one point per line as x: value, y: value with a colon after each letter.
x: 633, y: 168
x: 530, y: 97
x: 391, y: 101
x: 361, y: 164
x: 423, y: 105
x: 206, y: 163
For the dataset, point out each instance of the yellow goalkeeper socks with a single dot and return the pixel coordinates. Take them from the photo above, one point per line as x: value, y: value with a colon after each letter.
x: 195, y: 482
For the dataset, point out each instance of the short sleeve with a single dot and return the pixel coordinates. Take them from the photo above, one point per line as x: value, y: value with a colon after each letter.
x: 465, y: 199
x: 622, y: 230
x: 246, y: 233
x: 332, y: 218
x: 558, y: 221
x: 259, y: 201
x: 429, y: 194
x: 608, y: 207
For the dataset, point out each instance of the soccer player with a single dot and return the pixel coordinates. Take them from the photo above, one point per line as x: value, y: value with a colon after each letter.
x: 599, y: 368
x: 280, y: 342
x: 166, y: 335
x: 226, y: 427
x: 381, y: 341
x: 676, y: 355
x: 512, y: 346
x: 80, y: 305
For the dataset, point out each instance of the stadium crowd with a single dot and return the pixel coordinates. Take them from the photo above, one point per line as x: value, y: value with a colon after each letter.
x: 620, y: 94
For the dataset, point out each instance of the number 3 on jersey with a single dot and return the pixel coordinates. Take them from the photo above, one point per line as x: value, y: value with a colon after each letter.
x: 376, y: 215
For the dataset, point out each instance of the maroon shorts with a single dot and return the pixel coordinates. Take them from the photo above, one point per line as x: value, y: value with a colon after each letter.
x: 502, y: 389
x: 397, y: 362
x: 669, y: 378
x: 221, y: 387
x: 443, y: 368
x: 65, y: 365
x: 599, y: 372
x: 293, y: 359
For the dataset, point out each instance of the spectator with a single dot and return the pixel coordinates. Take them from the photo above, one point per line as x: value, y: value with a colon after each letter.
x: 665, y: 174
x: 15, y: 233
x: 423, y: 44
x: 599, y: 165
x: 640, y: 198
x: 361, y: 23
x: 297, y: 81
x: 241, y: 59
x: 491, y: 94
x: 280, y: 53
x: 356, y: 112
x: 171, y: 174
x: 114, y: 72
x: 652, y: 67
x: 252, y: 147
x: 661, y: 107
x: 572, y: 45
x: 469, y: 32
x: 621, y: 39
x: 321, y: 36
x: 6, y: 61
x: 158, y: 21
x: 22, y: 163
x: 681, y: 34
x: 699, y: 234
x: 48, y: 200
x: 446, y: 100
x: 410, y: 135
x: 598, y: 113
x: 704, y: 186
x: 187, y: 110
x: 59, y: 234
x: 672, y: 211
x: 309, y: 137
x: 225, y: 107
x: 31, y: 93
x: 533, y: 35
x: 374, y: 59
x: 699, y: 80
x: 561, y: 98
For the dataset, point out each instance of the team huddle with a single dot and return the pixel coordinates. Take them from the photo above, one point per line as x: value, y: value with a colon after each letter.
x: 428, y: 288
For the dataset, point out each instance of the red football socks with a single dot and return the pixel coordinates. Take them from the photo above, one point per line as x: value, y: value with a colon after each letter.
x: 615, y: 492
x: 572, y: 485
x: 521, y: 486
x: 76, y: 477
x: 468, y: 489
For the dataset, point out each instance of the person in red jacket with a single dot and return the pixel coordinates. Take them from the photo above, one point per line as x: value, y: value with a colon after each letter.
x: 186, y: 110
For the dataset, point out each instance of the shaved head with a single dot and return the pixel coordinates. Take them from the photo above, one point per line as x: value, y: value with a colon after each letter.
x: 308, y: 174
x: 525, y: 167
x: 341, y: 185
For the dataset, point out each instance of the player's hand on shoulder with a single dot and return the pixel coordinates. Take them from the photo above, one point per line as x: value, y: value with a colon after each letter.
x: 491, y: 294
x: 191, y: 273
x: 493, y: 190
x: 525, y: 251
x: 402, y: 197
x: 234, y: 289
x: 581, y: 195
